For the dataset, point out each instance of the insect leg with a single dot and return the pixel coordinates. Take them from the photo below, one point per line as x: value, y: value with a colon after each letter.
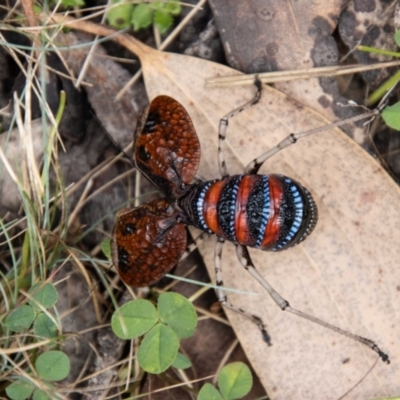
x: 245, y: 260
x: 255, y: 165
x: 223, y: 298
x: 223, y: 124
x: 191, y: 247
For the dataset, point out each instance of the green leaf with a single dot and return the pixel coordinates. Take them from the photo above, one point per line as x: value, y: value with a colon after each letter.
x: 208, y: 392
x: 183, y: 333
x: 37, y: 9
x: 391, y: 116
x: 235, y: 381
x: 39, y: 394
x: 105, y: 246
x: 72, y: 3
x: 19, y: 390
x: 44, y: 326
x: 134, y: 319
x: 157, y: 5
x: 120, y: 16
x: 53, y: 365
x: 181, y: 362
x: 158, y: 349
x: 163, y: 20
x: 20, y: 319
x: 173, y: 8
x: 43, y: 293
x: 142, y: 16
x: 177, y: 312
x: 397, y: 38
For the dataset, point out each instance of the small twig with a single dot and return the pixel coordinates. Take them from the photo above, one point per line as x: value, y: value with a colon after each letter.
x: 27, y: 6
x: 308, y: 73
x: 164, y: 45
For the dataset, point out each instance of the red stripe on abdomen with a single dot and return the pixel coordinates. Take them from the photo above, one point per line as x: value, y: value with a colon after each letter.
x: 271, y: 234
x: 211, y: 199
x: 242, y: 230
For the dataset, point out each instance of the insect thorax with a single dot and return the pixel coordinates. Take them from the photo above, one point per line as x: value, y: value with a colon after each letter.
x: 270, y: 212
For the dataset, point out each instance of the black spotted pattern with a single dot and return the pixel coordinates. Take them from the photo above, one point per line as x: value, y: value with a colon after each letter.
x: 255, y: 210
x: 287, y: 211
x: 128, y: 229
x: 143, y: 153
x: 226, y: 207
x: 123, y: 259
x: 153, y: 119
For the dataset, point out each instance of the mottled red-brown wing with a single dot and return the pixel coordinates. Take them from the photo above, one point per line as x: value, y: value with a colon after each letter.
x: 167, y: 149
x: 147, y: 243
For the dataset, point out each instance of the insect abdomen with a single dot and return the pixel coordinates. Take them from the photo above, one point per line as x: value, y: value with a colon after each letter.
x: 270, y: 212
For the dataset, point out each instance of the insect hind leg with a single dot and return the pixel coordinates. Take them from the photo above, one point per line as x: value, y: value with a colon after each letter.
x: 247, y: 263
x: 223, y: 125
x: 292, y: 138
x: 222, y: 298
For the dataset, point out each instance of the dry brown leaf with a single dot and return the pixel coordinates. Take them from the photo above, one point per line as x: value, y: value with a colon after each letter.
x: 345, y: 273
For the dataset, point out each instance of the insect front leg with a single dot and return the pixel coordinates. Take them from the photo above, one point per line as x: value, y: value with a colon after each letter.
x: 223, y: 124
x: 223, y: 298
x: 255, y: 165
x: 245, y: 260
